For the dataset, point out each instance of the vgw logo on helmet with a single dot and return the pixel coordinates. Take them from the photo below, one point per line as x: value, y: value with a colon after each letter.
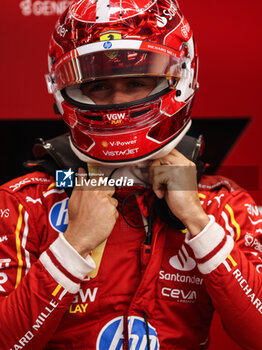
x: 64, y: 178
x: 112, y: 335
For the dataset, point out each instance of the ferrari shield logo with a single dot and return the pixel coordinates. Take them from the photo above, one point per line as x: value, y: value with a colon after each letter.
x: 108, y: 36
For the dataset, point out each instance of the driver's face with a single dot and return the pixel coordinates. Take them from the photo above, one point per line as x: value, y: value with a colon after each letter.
x: 119, y: 90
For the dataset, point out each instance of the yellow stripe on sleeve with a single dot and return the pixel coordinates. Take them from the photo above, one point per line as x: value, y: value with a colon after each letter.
x: 57, y: 289
x: 233, y: 221
x: 233, y: 262
x: 50, y: 186
x: 18, y: 245
x: 201, y: 195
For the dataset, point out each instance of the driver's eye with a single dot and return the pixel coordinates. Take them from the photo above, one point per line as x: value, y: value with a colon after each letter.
x: 98, y: 87
x: 94, y: 87
x: 135, y: 84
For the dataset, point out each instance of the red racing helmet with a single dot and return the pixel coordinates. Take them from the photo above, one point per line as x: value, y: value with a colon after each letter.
x: 108, y: 39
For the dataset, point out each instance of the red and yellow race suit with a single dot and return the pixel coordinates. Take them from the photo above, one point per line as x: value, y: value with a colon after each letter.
x: 127, y: 294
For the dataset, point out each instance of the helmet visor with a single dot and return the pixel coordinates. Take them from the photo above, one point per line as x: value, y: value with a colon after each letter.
x: 116, y: 63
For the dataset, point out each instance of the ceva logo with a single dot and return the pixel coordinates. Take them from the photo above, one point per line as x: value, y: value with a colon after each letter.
x: 112, y: 335
x: 182, y: 261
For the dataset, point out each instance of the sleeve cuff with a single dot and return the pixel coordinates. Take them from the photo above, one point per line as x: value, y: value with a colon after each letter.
x: 65, y: 265
x: 211, y: 246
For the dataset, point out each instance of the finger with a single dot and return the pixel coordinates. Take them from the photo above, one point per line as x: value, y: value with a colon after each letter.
x: 113, y: 201
x: 161, y: 173
x: 116, y: 214
x: 153, y: 169
x: 108, y: 190
x: 174, y: 157
x: 159, y: 193
x: 181, y: 158
x: 81, y: 177
x: 155, y: 162
x: 81, y: 171
x: 160, y: 185
x: 98, y: 183
x: 98, y: 180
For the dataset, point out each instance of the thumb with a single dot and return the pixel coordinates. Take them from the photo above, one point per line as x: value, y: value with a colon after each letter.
x: 160, y: 193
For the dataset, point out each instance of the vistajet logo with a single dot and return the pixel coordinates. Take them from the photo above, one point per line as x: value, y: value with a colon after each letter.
x: 125, y: 152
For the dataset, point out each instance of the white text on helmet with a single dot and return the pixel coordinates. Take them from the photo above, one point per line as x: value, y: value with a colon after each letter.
x: 120, y: 153
x: 115, y: 116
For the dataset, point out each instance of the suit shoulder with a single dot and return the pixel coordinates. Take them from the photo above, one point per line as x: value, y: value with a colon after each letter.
x: 36, y: 178
x: 215, y: 183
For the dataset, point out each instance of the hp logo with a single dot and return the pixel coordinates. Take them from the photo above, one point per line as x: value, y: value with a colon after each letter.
x: 112, y: 335
x: 58, y: 215
x: 107, y: 45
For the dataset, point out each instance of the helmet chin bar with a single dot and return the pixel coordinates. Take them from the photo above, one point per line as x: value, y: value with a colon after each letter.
x: 154, y: 155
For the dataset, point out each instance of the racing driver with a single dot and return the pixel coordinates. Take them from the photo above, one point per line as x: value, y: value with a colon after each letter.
x: 145, y: 247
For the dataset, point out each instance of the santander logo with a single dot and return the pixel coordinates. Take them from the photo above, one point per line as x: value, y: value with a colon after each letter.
x: 182, y: 261
x: 161, y: 21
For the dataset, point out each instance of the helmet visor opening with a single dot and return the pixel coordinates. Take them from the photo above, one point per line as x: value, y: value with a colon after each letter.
x: 116, y: 92
x: 115, y: 63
